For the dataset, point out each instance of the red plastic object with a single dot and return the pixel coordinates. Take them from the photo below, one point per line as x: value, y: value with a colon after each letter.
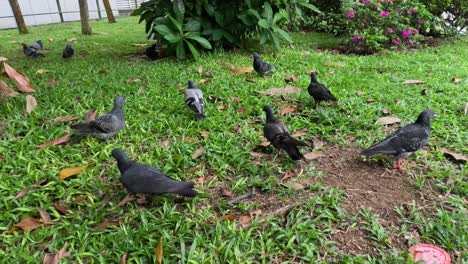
x: 429, y: 254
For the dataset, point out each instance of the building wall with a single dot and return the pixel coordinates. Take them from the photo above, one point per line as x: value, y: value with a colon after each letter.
x: 40, y: 12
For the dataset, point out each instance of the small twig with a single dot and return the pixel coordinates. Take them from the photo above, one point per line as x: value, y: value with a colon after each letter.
x: 240, y: 197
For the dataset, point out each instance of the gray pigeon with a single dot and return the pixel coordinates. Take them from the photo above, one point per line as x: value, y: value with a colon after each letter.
x: 194, y: 100
x: 406, y: 140
x: 319, y: 91
x: 37, y: 45
x: 276, y: 132
x: 68, y: 51
x: 30, y: 51
x: 140, y: 178
x: 261, y: 67
x: 105, y: 126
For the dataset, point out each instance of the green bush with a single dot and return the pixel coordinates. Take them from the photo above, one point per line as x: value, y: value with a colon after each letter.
x: 191, y: 25
x: 456, y: 17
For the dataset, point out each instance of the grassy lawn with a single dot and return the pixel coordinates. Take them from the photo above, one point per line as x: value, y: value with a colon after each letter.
x: 342, y: 209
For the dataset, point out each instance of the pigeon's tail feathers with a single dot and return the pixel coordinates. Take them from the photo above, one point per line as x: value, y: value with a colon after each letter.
x: 333, y: 98
x: 380, y: 148
x: 82, y: 128
x: 294, y: 152
x: 187, y: 192
x: 199, y: 116
x: 294, y: 142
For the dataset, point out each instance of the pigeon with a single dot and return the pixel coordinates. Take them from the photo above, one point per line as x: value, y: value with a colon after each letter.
x: 152, y: 52
x: 260, y: 66
x: 37, y: 45
x: 319, y: 91
x: 194, y: 100
x: 68, y: 51
x: 141, y: 178
x: 105, y: 126
x: 30, y: 51
x: 405, y: 141
x: 276, y: 132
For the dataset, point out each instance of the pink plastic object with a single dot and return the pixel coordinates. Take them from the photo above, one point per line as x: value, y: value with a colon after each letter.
x: 429, y: 254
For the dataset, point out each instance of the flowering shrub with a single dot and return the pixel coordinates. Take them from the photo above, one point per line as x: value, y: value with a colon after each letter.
x: 376, y: 24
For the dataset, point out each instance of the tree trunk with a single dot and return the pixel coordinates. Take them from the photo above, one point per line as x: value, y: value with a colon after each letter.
x: 18, y: 17
x: 110, y: 15
x: 84, y: 16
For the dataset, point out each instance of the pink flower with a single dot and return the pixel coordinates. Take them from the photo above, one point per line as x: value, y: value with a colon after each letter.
x: 420, y: 20
x: 398, y: 10
x: 365, y: 1
x: 405, y: 34
x: 350, y: 14
x: 410, y: 43
x: 385, y: 13
x: 396, y: 41
x: 412, y: 11
x: 355, y: 39
x: 390, y: 30
x: 378, y: 1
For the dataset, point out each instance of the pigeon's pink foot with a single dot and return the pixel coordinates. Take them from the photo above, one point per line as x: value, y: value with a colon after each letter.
x: 398, y: 165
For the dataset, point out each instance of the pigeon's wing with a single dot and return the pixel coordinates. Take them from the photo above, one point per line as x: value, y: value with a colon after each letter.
x: 194, y: 99
x: 272, y: 129
x: 410, y: 138
x: 141, y: 178
x: 106, y: 123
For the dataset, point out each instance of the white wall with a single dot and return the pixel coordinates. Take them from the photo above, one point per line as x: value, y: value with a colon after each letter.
x: 33, y: 8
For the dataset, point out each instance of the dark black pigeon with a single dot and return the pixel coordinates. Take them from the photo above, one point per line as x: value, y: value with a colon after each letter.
x: 140, y: 178
x: 319, y: 91
x: 276, y: 132
x: 30, y: 51
x: 68, y: 51
x: 152, y: 52
x: 105, y: 126
x: 194, y: 100
x: 260, y: 66
x: 406, y: 140
x: 37, y: 45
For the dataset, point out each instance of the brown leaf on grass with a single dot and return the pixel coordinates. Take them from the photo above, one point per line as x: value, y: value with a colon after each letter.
x: 299, y: 133
x: 214, y: 99
x: 278, y: 91
x: 370, y: 100
x: 21, y: 194
x: 226, y: 193
x: 54, y: 258
x: 283, y: 212
x: 31, y: 103
x: 57, y: 141
x: 454, y: 156
x: 68, y: 172
x: 397, y: 101
x: 235, y: 99
x: 45, y: 216
x: 202, y: 180
x: 65, y: 118
x: 133, y: 80
x: 245, y: 220
x: 50, y: 39
x: 222, y: 107
x: 204, y: 134
x: 158, y: 252
x: 141, y: 198
x: 52, y: 82
x: 288, y: 174
x: 202, y: 81
x: 264, y: 144
x: 314, y: 155
x: 181, y: 88
x: 60, y: 208
x: 331, y: 72
x: 241, y: 70
x: 257, y: 154
x: 318, y: 143
x: 288, y: 109
x: 6, y: 91
x: 20, y: 80
x: 288, y: 99
x: 198, y: 153
x: 290, y: 78
x: 412, y: 82
x: 241, y: 110
x: 30, y: 224
x: 3, y: 59
x: 105, y: 224
x: 200, y: 70
x: 333, y: 64
x: 80, y: 198
x: 387, y: 120
x: 228, y: 217
x: 41, y: 71
x: 456, y: 80
x: 123, y: 259
x: 385, y: 111
x: 360, y: 93
x: 126, y: 200
x: 293, y: 185
x: 90, y: 115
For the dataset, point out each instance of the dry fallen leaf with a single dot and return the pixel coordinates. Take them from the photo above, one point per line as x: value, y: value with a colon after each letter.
x: 413, y: 82
x: 29, y: 224
x: 20, y: 80
x: 385, y: 111
x: 228, y: 217
x: 226, y: 193
x: 245, y: 220
x: 241, y: 70
x: 56, y: 141
x: 288, y: 174
x: 360, y: 93
x: 288, y: 109
x: 128, y: 198
x: 333, y: 64
x: 31, y: 103
x: 454, y: 156
x: 291, y: 78
x: 278, y: 91
x: 45, y: 216
x: 6, y: 91
x: 123, y: 259
x: 370, y: 100
x: 50, y: 39
x: 21, y: 194
x: 66, y: 118
x: 241, y: 110
x: 256, y: 212
x: 198, y: 153
x: 264, y: 144
x: 257, y: 154
x: 318, y: 143
x: 60, y: 208
x: 105, y: 224
x: 299, y: 133
x: 65, y: 173
x: 314, y: 155
x: 51, y: 258
x: 202, y: 81
x: 456, y: 80
x: 293, y: 185
x: 159, y: 251
x: 133, y: 80
x: 397, y: 101
x: 387, y: 120
x: 41, y: 71
x: 283, y: 211
x: 200, y: 70
x: 204, y: 134
x: 90, y: 115
x: 71, y: 39
x: 52, y: 82
x: 222, y: 107
x: 2, y: 59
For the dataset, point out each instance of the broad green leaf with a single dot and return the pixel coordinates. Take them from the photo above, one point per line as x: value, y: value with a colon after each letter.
x: 263, y: 37
x: 193, y: 50
x: 247, y: 19
x: 284, y: 34
x: 172, y: 38
x: 180, y: 50
x: 218, y: 34
x: 203, y: 41
x: 311, y: 7
x: 267, y: 12
x: 163, y: 30
x: 275, y: 40
x: 179, y: 10
x: 254, y: 13
x: 277, y: 17
x: 263, y: 23
x: 229, y: 37
x: 209, y: 9
x: 176, y: 24
x: 192, y: 25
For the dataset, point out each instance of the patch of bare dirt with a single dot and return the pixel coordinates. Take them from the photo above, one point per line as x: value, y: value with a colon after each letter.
x: 353, y: 242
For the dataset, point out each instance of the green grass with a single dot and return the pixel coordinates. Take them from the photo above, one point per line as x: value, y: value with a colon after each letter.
x: 155, y: 114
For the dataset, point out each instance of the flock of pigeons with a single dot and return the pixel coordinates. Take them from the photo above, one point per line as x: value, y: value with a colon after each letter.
x: 33, y: 50
x: 141, y: 178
